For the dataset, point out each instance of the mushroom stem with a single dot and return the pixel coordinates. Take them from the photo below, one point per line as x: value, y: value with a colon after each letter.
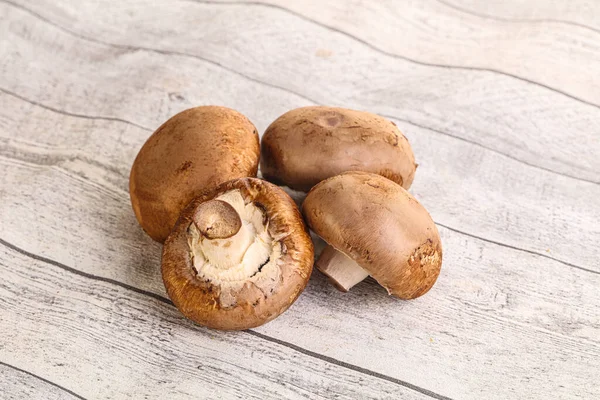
x: 341, y: 270
x: 228, y: 253
x: 224, y: 237
x: 217, y: 219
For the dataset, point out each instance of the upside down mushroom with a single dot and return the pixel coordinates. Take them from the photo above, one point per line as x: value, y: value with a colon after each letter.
x: 374, y: 227
x: 238, y: 256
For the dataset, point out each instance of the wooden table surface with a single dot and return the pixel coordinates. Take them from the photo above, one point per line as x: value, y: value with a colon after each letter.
x: 499, y: 99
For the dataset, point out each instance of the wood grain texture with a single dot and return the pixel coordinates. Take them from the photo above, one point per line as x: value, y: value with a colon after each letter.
x: 508, y: 169
x: 121, y: 340
x: 581, y: 13
x: 432, y: 32
x: 16, y: 384
x: 457, y: 102
x: 88, y: 72
x: 115, y: 239
x: 506, y: 225
x: 477, y: 302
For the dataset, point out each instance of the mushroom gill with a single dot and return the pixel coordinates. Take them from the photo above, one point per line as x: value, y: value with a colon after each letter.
x: 249, y: 256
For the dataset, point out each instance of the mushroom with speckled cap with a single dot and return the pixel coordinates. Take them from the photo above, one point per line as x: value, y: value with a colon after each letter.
x: 374, y: 227
x: 238, y: 256
x: 310, y: 144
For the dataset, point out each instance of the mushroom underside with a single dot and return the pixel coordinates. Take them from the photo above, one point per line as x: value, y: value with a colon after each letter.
x: 249, y: 257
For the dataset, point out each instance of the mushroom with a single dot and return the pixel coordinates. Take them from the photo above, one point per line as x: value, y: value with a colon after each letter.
x: 193, y: 151
x: 374, y: 227
x: 307, y: 145
x: 238, y: 256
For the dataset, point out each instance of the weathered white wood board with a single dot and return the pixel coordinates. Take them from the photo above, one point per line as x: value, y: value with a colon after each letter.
x: 436, y: 33
x: 311, y: 61
x: 119, y: 341
x: 507, y: 142
x: 18, y: 384
x: 582, y: 13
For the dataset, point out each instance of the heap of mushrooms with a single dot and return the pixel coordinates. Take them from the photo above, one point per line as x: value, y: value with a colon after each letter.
x: 237, y: 252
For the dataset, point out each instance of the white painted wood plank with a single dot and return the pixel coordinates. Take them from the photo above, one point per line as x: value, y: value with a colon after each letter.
x: 110, y: 342
x: 500, y: 323
x: 584, y: 13
x: 495, y: 313
x: 530, y: 123
x: 16, y: 384
x: 555, y: 224
x: 431, y: 32
x: 512, y: 285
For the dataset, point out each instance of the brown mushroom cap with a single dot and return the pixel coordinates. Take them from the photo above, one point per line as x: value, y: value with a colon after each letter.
x: 259, y: 298
x: 381, y: 227
x: 310, y: 144
x: 193, y: 151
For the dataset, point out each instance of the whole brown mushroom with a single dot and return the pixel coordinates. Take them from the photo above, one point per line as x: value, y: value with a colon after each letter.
x: 193, y: 151
x: 374, y: 227
x: 238, y: 256
x: 307, y: 145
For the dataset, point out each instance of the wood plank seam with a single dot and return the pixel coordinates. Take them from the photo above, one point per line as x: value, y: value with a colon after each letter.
x: 569, y: 264
x: 520, y: 324
x: 492, y: 150
x: 373, y: 47
x: 56, y: 385
x: 115, y: 119
x: 149, y: 49
x: 250, y: 332
x: 505, y: 245
x: 70, y: 114
x: 391, y: 117
x: 233, y: 71
x: 516, y: 20
x: 520, y: 249
x: 57, y: 159
x: 391, y: 54
x: 350, y: 366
